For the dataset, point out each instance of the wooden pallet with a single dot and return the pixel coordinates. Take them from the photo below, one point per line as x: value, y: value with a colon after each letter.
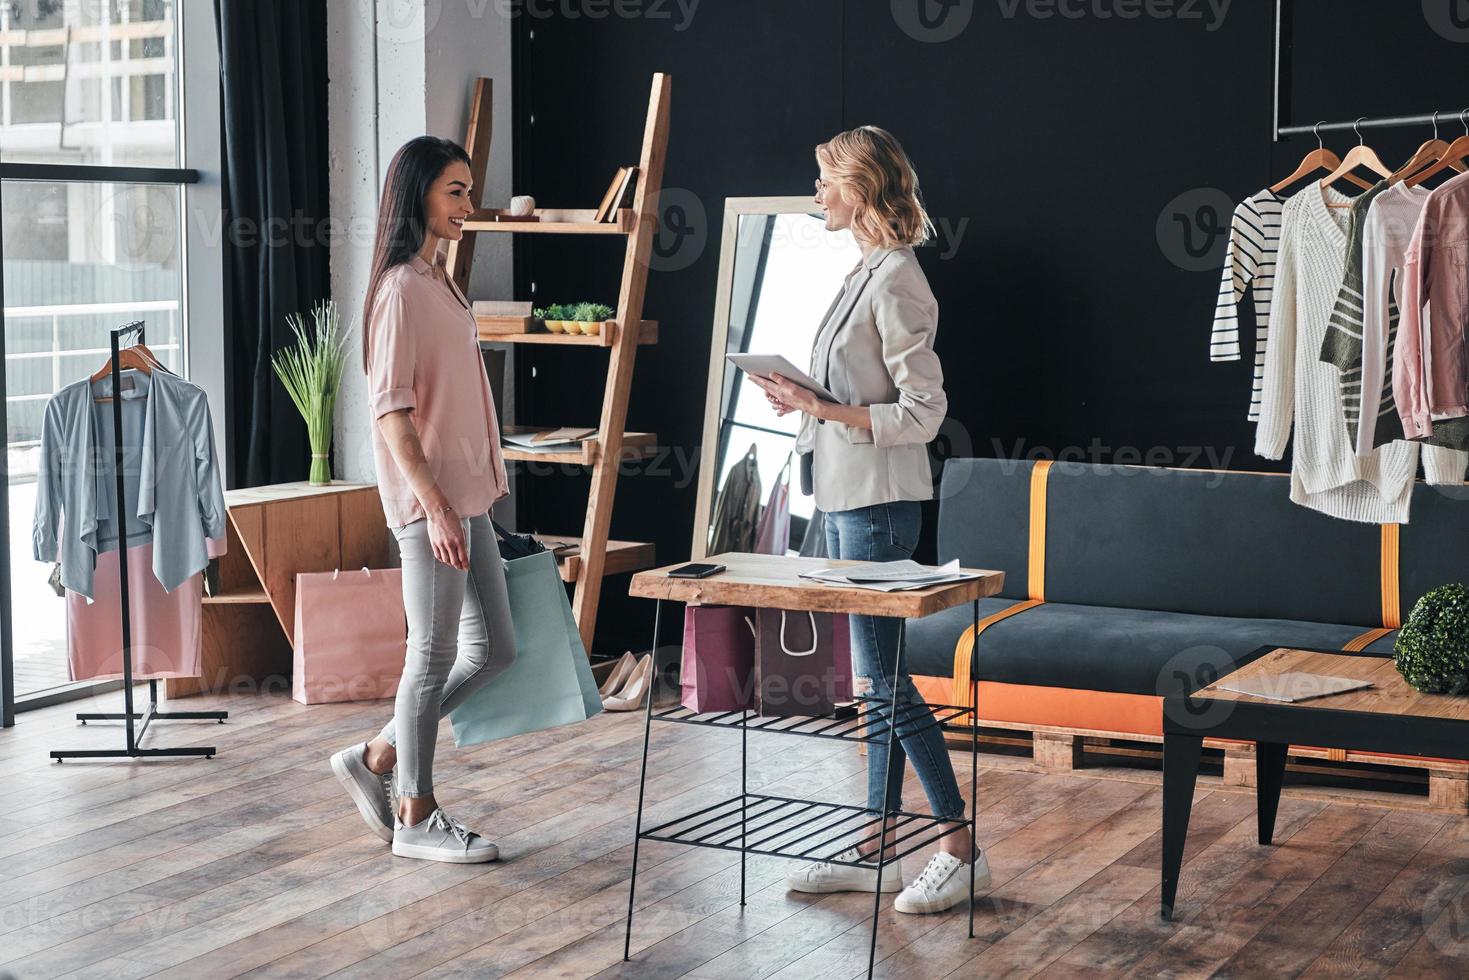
x: 597, y: 556
x: 1431, y: 784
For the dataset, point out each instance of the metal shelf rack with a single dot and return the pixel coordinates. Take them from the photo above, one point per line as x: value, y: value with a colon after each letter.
x: 801, y: 829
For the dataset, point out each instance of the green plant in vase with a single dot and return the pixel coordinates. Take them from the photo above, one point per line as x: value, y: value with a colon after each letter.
x: 311, y: 372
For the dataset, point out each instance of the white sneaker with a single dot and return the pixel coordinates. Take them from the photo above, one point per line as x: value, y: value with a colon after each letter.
x: 821, y: 877
x: 441, y: 838
x: 943, y: 884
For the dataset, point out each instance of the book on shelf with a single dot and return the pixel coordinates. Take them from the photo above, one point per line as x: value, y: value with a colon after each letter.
x: 624, y: 193
x: 611, y: 195
x: 547, y: 440
x: 500, y: 307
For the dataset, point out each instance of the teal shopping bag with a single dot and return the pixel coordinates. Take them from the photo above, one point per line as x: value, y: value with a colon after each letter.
x: 551, y: 681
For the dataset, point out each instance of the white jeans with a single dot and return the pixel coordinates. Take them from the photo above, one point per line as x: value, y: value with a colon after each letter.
x: 460, y: 637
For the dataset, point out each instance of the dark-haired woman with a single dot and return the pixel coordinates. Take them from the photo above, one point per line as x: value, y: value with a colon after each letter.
x: 440, y: 468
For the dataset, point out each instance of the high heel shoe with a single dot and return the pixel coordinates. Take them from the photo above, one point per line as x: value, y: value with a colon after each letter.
x: 620, y: 673
x: 630, y: 697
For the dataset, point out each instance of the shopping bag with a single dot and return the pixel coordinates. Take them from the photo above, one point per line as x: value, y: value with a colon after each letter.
x: 550, y: 683
x: 718, y: 672
x: 351, y: 635
x: 803, y: 662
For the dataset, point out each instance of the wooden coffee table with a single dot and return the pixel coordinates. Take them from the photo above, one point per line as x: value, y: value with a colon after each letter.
x: 1389, y: 717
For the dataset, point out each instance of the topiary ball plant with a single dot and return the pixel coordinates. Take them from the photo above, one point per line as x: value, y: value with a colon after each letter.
x: 1432, y: 649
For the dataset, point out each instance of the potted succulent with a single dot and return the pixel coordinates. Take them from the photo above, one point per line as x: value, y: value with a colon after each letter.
x: 589, y: 317
x: 311, y: 372
x: 555, y: 317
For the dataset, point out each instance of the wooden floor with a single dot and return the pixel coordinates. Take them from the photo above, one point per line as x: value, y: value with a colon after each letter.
x: 255, y: 864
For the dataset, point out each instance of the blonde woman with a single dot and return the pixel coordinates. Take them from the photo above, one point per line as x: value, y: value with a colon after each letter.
x: 868, y: 461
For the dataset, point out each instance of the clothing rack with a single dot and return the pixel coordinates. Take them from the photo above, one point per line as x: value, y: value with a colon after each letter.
x: 134, y: 733
x: 1282, y: 83
x: 1379, y: 122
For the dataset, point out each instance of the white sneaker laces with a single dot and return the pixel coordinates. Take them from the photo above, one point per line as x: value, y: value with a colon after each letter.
x: 933, y: 876
x: 440, y: 820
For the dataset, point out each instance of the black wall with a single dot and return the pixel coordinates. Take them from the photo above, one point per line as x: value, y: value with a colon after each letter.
x: 1051, y: 149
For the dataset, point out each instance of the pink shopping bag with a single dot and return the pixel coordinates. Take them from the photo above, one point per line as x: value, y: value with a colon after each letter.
x: 351, y: 635
x: 718, y: 672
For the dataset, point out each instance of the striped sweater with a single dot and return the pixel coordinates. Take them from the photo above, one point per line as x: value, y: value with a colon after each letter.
x: 1249, y: 263
x: 1342, y: 347
x: 1302, y: 393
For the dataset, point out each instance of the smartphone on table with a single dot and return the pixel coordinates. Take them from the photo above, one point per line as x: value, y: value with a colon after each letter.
x: 695, y: 570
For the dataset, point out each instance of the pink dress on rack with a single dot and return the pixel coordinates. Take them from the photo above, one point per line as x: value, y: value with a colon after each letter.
x: 165, y: 625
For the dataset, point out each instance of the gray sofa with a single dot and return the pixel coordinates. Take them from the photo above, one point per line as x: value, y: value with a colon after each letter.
x: 1160, y: 578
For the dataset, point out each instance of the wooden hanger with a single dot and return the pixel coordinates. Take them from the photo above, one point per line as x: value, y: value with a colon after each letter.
x: 1430, y: 152
x: 136, y: 358
x: 1453, y: 156
x: 1360, y: 155
x: 1318, y: 159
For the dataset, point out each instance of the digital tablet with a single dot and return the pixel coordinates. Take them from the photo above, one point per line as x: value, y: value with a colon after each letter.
x: 764, y: 365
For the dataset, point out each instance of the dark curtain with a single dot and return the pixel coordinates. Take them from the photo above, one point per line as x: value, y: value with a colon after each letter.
x: 272, y: 65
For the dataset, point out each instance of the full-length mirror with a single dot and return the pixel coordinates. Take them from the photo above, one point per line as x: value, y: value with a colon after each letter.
x: 779, y: 269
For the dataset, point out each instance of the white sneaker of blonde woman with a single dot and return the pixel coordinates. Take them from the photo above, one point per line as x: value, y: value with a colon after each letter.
x: 942, y: 884
x: 822, y: 877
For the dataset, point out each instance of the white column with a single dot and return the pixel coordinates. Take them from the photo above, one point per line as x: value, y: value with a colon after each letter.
x: 398, y: 69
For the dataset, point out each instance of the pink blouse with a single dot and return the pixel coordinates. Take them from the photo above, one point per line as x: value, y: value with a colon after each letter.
x: 424, y: 356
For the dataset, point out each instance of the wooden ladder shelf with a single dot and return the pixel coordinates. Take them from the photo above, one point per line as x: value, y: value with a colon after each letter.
x: 597, y: 556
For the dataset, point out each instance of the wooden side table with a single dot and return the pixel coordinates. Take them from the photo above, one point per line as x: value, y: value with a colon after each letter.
x: 1389, y: 717
x: 275, y: 532
x: 800, y: 829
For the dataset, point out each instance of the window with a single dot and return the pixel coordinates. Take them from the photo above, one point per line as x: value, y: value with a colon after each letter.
x: 91, y: 195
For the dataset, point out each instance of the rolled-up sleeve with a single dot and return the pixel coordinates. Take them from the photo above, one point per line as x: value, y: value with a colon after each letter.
x: 391, y: 355
x: 907, y: 318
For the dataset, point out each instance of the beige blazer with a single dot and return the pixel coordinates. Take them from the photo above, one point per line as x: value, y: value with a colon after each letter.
x: 875, y: 348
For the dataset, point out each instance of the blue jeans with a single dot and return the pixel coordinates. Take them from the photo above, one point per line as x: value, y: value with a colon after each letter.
x: 889, y: 532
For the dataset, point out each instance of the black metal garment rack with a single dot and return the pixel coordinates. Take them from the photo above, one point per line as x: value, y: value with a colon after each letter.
x: 135, y: 734
x: 810, y: 830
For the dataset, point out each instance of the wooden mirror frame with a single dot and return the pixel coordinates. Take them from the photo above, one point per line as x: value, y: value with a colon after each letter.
x: 734, y: 209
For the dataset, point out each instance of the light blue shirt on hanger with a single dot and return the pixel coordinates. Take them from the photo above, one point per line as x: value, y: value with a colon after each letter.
x: 171, y: 478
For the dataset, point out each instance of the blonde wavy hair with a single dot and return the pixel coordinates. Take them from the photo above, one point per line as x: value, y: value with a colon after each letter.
x: 878, y: 177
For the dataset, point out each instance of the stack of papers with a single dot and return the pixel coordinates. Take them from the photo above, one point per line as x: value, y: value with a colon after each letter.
x: 891, y: 576
x: 545, y: 440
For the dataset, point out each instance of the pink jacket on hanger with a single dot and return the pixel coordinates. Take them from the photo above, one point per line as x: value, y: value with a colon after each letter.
x: 1429, y: 372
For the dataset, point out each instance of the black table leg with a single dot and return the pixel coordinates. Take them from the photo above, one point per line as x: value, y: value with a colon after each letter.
x: 1269, y: 775
x: 637, y: 837
x: 1180, y: 773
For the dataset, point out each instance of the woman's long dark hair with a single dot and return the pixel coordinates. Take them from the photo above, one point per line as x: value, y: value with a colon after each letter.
x: 401, y: 223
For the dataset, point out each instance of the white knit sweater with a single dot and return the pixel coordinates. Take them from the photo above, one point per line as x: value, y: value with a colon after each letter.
x: 1326, y: 473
